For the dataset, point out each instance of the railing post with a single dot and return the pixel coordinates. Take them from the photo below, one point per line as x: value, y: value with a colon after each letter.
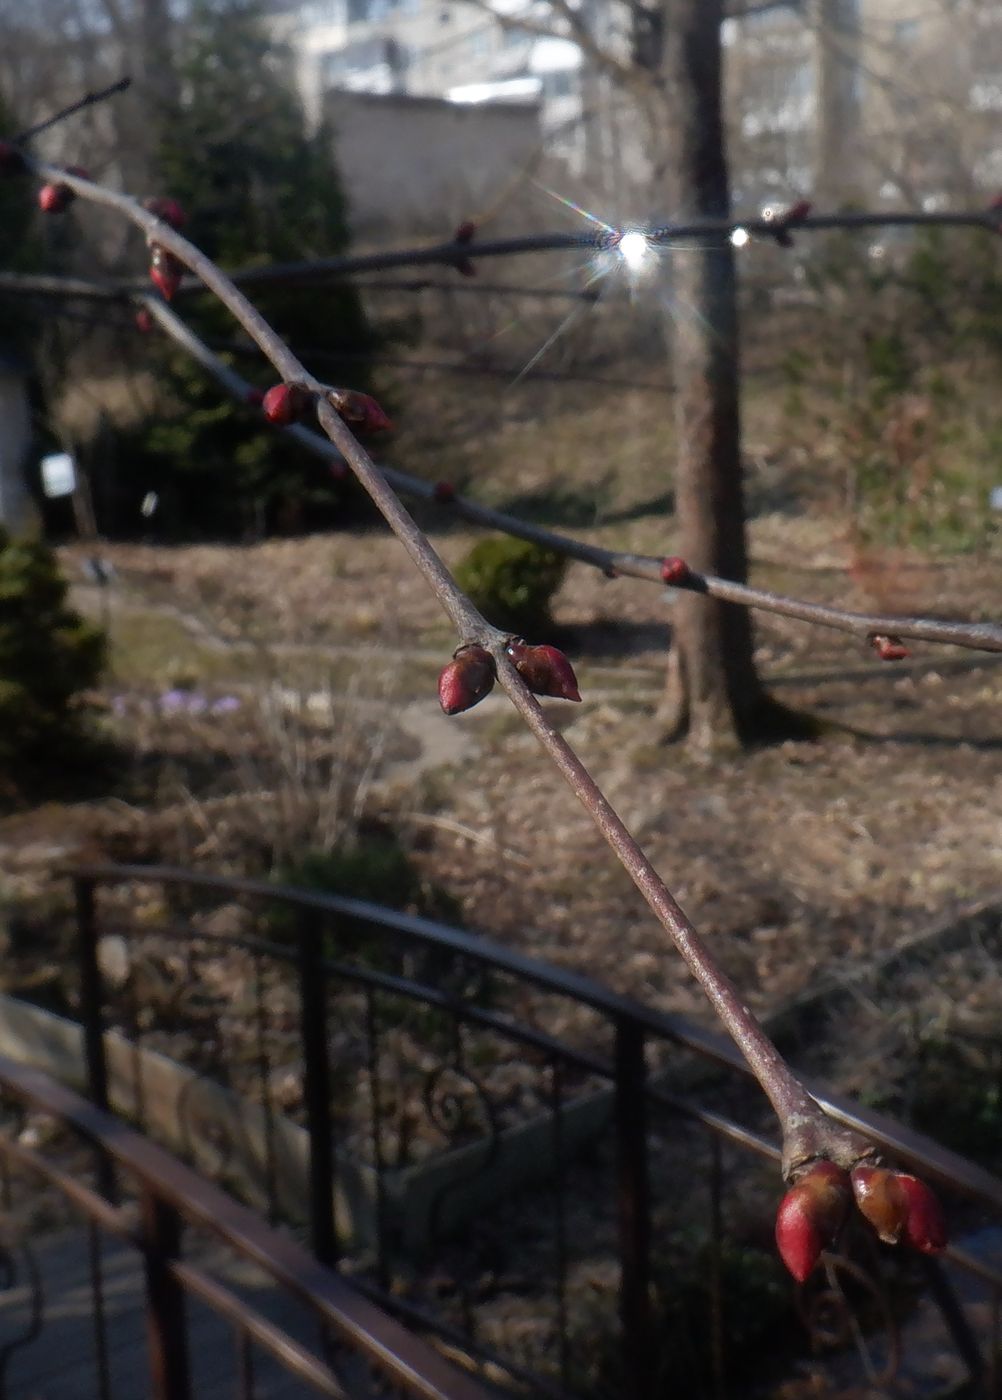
x: 167, y: 1336
x: 316, y: 1084
x: 91, y: 994
x: 634, y: 1209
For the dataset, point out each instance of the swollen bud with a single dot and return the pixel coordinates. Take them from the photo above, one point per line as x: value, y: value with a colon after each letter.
x: 900, y: 1207
x: 468, y: 677
x: 144, y: 321
x: 464, y: 236
x: 545, y: 670
x: 165, y: 271
x: 53, y: 199
x: 167, y: 209
x: 925, y: 1228
x: 361, y: 412
x: 810, y: 1215
x: 286, y: 403
x: 881, y: 1200
x: 787, y: 219
x: 888, y: 648
x: 674, y: 570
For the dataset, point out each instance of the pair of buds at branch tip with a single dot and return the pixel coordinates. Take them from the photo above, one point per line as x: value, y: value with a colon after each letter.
x: 166, y: 270
x: 888, y: 648
x: 284, y: 404
x: 471, y: 674
x: 55, y: 197
x: 464, y: 236
x: 784, y: 220
x: 898, y: 1206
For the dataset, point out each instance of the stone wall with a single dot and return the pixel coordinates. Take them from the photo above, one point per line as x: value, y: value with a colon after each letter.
x: 416, y: 166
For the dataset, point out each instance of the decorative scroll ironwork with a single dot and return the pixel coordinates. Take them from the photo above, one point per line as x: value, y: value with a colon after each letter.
x: 428, y: 1061
x: 454, y: 1099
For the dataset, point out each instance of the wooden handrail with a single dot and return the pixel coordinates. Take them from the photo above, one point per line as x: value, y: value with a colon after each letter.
x: 404, y: 1359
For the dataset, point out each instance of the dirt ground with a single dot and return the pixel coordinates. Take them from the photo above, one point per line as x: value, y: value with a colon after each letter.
x: 796, y: 861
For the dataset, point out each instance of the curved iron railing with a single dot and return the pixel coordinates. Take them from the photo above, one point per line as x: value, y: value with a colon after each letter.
x: 155, y: 1204
x: 509, y: 1155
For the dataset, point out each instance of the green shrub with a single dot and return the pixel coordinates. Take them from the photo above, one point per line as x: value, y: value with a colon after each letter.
x: 48, y: 653
x: 374, y: 867
x: 512, y: 583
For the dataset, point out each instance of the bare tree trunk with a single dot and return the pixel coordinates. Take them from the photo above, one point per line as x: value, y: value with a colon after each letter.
x: 838, y: 142
x: 713, y: 691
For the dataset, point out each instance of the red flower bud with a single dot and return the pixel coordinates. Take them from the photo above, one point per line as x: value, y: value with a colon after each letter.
x: 361, y: 411
x: 167, y: 209
x: 785, y: 219
x: 674, y: 570
x: 925, y: 1228
x: 144, y: 321
x: 888, y: 648
x: 286, y: 403
x: 464, y: 236
x: 468, y: 677
x: 444, y: 492
x: 545, y: 670
x: 165, y: 271
x: 54, y: 198
x: 11, y: 159
x: 881, y: 1200
x: 810, y: 1215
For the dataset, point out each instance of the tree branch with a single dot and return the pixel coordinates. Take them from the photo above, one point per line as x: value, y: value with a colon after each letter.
x: 975, y: 636
x: 448, y: 254
x: 807, y: 1131
x: 523, y: 23
x: 88, y: 100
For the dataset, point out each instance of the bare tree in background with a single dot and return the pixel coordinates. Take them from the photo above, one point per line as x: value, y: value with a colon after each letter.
x: 838, y: 120
x: 667, y: 57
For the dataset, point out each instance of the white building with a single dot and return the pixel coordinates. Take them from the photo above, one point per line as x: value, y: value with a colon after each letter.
x: 439, y: 48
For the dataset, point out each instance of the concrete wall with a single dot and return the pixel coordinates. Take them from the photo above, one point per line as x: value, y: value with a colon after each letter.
x: 417, y: 165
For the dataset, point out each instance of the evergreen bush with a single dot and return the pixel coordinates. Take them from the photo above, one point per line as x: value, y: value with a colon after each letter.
x: 48, y: 654
x: 257, y: 189
x: 512, y: 583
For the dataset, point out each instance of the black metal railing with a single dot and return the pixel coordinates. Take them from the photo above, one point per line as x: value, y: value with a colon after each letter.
x: 188, y: 1247
x: 568, y: 1187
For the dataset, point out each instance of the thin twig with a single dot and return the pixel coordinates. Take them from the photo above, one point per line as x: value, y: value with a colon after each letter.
x: 450, y: 253
x: 975, y: 636
x: 86, y: 101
